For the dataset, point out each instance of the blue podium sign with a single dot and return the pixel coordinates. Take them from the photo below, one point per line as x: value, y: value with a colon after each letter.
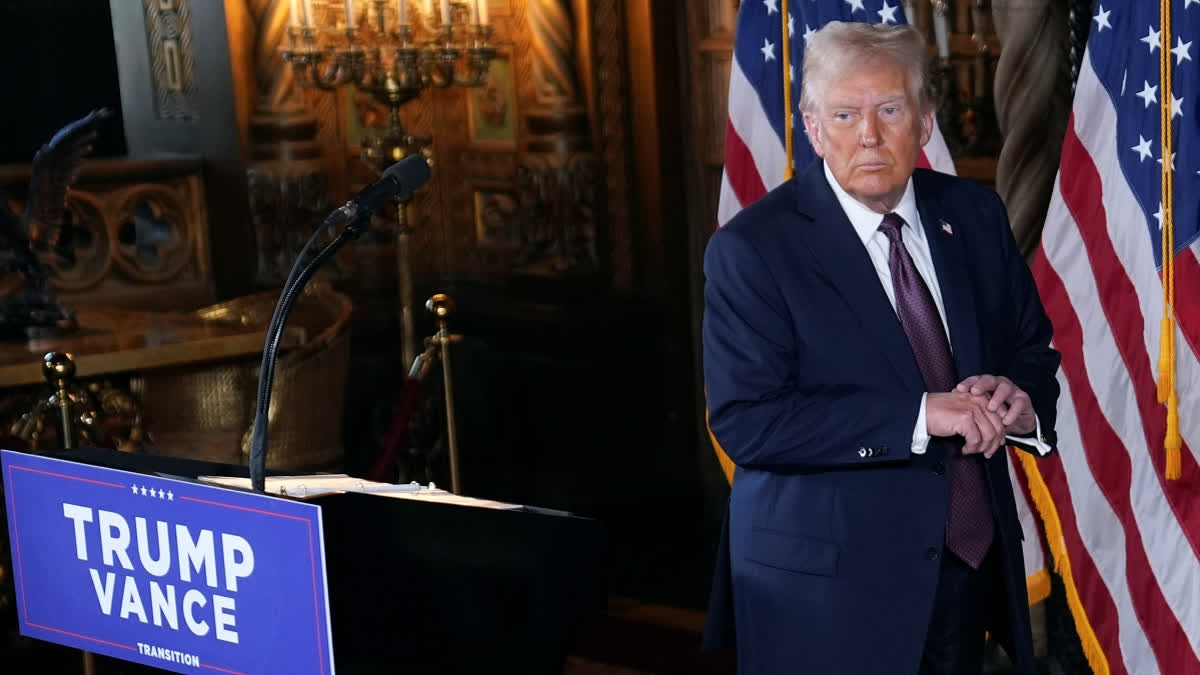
x: 170, y: 573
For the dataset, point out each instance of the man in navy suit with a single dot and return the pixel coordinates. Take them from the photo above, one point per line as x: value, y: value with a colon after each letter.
x: 872, y: 339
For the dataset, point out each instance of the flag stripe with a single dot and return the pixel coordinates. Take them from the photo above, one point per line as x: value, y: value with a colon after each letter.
x: 750, y: 123
x: 1119, y: 301
x: 1136, y: 254
x: 1092, y: 532
x: 1135, y: 562
x: 1187, y: 304
x: 740, y: 171
x: 1107, y: 477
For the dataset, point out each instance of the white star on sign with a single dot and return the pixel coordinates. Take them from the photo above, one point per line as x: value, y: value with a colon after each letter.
x: 888, y: 14
x: 1142, y: 148
x: 170, y: 496
x: 768, y: 51
x: 1172, y: 161
x: 1148, y: 94
x: 161, y: 494
x: 856, y: 4
x: 771, y: 7
x: 1158, y: 215
x: 1177, y: 103
x: 135, y: 489
x: 1101, y: 20
x: 143, y: 490
x: 1154, y: 37
x: 1181, y: 51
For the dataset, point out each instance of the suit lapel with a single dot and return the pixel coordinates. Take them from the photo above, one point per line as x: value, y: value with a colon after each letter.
x: 948, y: 253
x: 845, y: 262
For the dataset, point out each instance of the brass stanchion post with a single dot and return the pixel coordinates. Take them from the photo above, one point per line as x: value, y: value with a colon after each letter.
x: 59, y: 370
x: 442, y: 306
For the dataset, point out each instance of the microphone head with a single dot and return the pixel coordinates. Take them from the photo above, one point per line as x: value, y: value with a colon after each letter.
x: 398, y: 180
x: 409, y: 173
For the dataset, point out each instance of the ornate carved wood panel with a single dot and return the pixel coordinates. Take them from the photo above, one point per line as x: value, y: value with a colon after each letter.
x: 140, y: 233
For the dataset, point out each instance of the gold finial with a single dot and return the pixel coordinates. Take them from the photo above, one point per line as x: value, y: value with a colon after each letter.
x: 58, y: 366
x: 441, y: 306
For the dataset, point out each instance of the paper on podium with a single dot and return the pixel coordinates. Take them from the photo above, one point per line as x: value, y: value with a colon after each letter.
x: 327, y: 483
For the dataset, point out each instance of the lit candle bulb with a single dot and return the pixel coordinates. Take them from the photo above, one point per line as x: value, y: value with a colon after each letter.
x: 446, y: 13
x: 403, y: 12
x: 474, y: 7
x: 941, y: 31
x: 294, y: 16
x: 483, y: 12
x: 308, y: 14
x: 349, y: 13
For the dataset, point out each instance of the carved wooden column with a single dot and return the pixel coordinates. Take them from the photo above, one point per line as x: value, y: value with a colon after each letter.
x: 560, y: 177
x: 289, y: 186
x: 1033, y: 99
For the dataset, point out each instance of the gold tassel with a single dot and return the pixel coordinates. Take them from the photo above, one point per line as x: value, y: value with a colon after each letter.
x: 1173, y: 441
x: 1165, y: 385
x: 1062, y: 564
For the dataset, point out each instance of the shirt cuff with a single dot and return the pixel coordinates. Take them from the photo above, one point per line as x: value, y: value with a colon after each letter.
x: 920, y: 439
x: 1037, y: 441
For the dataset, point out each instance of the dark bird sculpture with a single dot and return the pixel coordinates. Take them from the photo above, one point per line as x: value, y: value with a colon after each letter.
x: 28, y: 303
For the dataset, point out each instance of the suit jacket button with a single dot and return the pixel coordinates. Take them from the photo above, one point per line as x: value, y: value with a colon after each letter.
x: 931, y: 553
x: 939, y: 468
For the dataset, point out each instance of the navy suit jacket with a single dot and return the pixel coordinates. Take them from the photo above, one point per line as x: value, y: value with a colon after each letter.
x: 829, y: 556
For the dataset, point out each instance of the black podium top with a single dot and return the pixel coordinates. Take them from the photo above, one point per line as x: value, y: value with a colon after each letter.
x: 427, y: 587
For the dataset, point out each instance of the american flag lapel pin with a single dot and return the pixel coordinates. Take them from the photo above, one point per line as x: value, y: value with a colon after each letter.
x: 946, y: 227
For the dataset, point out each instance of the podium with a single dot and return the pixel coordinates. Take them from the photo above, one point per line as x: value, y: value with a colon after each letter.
x: 428, y: 587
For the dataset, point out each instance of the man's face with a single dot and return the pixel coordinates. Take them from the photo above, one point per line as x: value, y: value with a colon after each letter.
x: 870, y: 132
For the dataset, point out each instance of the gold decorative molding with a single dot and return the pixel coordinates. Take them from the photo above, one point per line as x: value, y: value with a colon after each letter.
x: 169, y: 39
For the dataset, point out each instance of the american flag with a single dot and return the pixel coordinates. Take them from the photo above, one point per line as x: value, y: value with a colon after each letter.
x: 755, y: 155
x: 1126, y: 538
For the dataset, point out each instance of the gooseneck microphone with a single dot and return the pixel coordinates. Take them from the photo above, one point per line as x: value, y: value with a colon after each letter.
x: 399, y: 180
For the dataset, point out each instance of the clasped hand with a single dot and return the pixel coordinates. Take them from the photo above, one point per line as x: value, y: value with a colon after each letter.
x: 983, y: 409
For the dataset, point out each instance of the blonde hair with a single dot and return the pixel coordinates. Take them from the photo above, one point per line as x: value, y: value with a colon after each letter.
x: 840, y: 46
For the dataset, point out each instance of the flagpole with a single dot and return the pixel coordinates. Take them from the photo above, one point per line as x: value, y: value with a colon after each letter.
x: 1167, y: 386
x: 788, y: 170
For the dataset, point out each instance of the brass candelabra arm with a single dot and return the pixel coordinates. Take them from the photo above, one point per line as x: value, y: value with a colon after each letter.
x: 407, y: 69
x: 327, y: 68
x: 442, y: 67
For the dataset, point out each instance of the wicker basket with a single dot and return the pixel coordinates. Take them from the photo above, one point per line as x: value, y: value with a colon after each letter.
x: 206, y: 411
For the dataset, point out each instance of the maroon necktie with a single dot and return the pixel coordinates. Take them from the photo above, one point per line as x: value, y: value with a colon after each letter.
x: 969, y: 526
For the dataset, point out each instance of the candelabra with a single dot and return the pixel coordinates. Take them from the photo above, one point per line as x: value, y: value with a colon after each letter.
x: 392, y: 50
x: 961, y: 80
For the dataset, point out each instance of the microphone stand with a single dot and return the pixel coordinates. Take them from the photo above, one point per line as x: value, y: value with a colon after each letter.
x: 295, y: 283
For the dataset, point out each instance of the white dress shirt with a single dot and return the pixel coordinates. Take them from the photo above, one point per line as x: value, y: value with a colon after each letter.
x: 866, y: 224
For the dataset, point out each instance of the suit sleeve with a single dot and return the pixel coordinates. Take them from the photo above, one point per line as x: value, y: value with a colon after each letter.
x: 762, y: 412
x: 1034, y: 364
